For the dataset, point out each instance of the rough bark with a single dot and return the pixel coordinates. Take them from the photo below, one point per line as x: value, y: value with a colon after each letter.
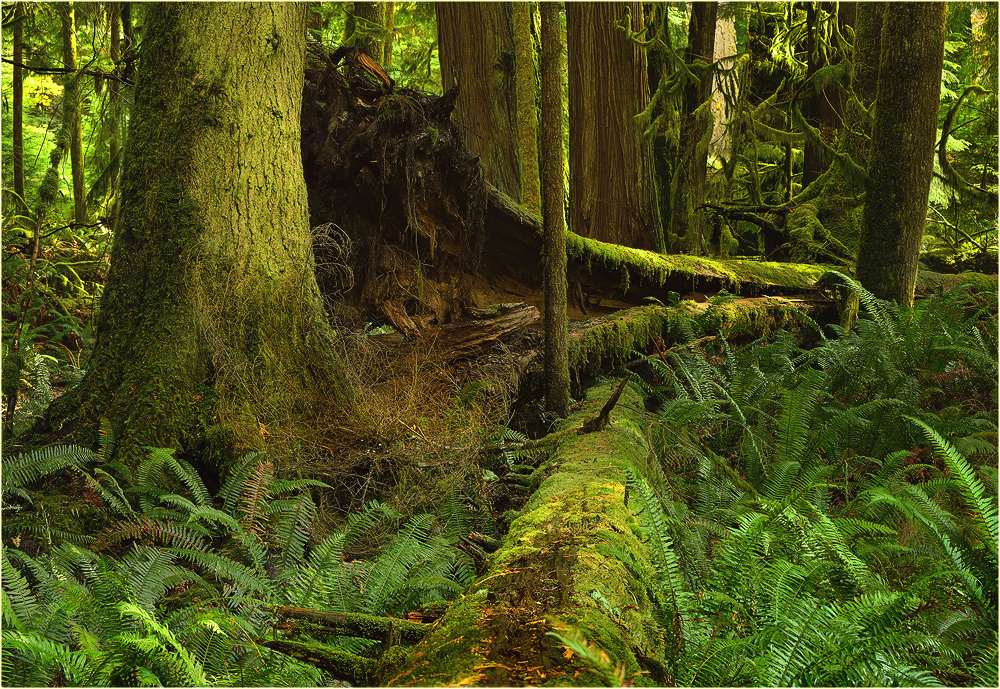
x: 72, y: 132
x: 556, y: 320
x: 611, y: 189
x: 687, y: 188
x: 901, y: 158
x: 18, y: 114
x: 476, y: 49
x: 527, y: 111
x: 115, y: 53
x: 725, y: 47
x: 370, y: 32
x: 210, y: 325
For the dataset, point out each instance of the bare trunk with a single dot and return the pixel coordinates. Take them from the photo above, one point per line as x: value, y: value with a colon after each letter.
x: 612, y: 195
x: 901, y: 158
x: 556, y: 320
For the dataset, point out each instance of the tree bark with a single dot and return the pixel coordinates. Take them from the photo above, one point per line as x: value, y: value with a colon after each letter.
x: 476, y: 48
x: 687, y: 189
x: 115, y: 52
x: 370, y: 33
x: 72, y: 132
x: 903, y: 137
x: 611, y: 188
x: 556, y: 364
x: 210, y: 325
x: 18, y: 88
x: 527, y: 111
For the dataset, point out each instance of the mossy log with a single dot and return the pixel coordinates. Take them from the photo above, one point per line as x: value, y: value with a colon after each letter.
x: 320, y: 622
x: 413, y: 234
x: 552, y: 574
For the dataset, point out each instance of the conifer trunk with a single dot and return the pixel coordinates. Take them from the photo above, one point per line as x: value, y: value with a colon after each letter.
x: 612, y: 194
x: 72, y: 132
x: 370, y: 33
x: 476, y: 47
x: 211, y: 324
x: 688, y: 187
x: 18, y: 87
x: 901, y: 157
x: 556, y: 320
x: 527, y: 112
x: 115, y: 52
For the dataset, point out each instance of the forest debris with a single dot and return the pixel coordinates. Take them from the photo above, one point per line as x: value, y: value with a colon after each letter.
x: 459, y: 339
x: 397, y: 316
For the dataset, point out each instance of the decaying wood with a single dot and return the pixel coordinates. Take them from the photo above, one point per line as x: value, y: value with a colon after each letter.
x: 354, y: 624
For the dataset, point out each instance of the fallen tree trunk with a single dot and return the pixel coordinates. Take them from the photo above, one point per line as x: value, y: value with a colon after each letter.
x: 553, y: 575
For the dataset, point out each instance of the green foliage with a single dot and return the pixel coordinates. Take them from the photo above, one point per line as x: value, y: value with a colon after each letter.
x: 799, y: 533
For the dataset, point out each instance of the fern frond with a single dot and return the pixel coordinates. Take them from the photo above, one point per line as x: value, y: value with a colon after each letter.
x: 23, y: 470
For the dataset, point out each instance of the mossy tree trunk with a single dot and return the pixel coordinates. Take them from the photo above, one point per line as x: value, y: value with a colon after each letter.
x: 476, y: 48
x: 72, y: 132
x: 823, y: 108
x: 687, y: 188
x: 556, y: 320
x: 611, y: 187
x: 17, y: 143
x: 525, y: 75
x: 211, y: 325
x: 901, y: 158
x: 368, y: 29
x: 115, y: 53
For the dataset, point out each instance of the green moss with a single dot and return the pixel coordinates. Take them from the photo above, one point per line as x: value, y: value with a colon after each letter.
x: 553, y: 570
x: 657, y: 268
x: 930, y: 283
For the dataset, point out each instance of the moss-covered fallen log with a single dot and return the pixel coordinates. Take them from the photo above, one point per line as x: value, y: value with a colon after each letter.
x: 553, y: 575
x: 319, y: 622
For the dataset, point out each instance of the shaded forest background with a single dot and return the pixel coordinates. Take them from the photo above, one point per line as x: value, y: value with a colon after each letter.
x: 796, y: 464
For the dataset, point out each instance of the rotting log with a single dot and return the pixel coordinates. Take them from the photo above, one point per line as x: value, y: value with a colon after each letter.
x: 321, y: 622
x: 428, y: 239
x: 552, y: 573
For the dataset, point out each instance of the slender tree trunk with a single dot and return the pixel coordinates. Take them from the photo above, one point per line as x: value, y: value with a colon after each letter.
x: 389, y: 24
x: 128, y: 38
x: 211, y: 324
x: 824, y: 108
x: 725, y: 47
x: 903, y: 138
x: 689, y: 189
x: 115, y: 52
x: 554, y: 222
x: 527, y: 112
x: 71, y: 130
x: 369, y: 32
x: 18, y: 87
x: 612, y: 194
x: 476, y: 47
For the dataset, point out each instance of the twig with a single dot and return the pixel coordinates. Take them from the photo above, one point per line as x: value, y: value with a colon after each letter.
x: 67, y: 70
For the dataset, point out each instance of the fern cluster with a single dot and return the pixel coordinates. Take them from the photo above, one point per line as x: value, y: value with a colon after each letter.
x: 800, y: 534
x: 177, y: 590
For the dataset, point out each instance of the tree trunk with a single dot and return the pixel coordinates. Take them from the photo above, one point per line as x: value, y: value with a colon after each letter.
x: 476, y: 48
x: 687, y: 189
x: 527, y: 119
x: 556, y: 320
x: 72, y: 132
x: 612, y: 194
x: 211, y: 323
x: 389, y: 24
x: 725, y: 47
x: 18, y: 88
x: 115, y: 52
x: 901, y: 158
x: 370, y: 34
